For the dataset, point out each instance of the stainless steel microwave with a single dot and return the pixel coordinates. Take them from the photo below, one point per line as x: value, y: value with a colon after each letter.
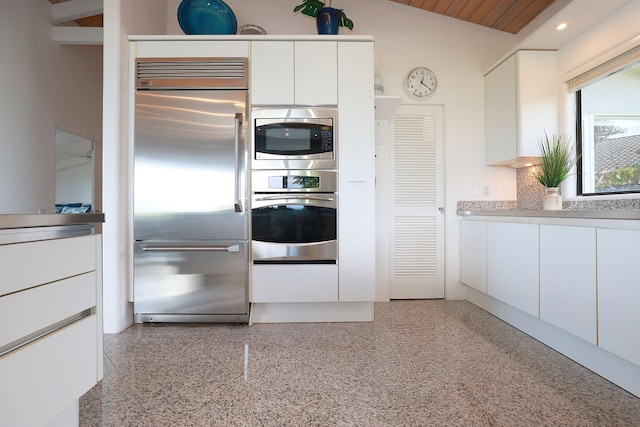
x: 294, y: 138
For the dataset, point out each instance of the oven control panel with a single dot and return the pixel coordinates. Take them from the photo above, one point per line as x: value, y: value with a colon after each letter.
x: 300, y: 181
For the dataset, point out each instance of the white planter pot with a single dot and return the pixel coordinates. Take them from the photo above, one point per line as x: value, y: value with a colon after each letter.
x: 552, y: 201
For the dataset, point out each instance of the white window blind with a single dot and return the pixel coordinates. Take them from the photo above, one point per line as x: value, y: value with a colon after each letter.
x: 605, y: 69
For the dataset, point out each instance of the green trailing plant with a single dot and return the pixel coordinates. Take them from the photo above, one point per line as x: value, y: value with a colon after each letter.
x: 313, y: 7
x: 558, y: 158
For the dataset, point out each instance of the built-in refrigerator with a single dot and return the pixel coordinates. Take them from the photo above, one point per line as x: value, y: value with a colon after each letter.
x: 190, y: 216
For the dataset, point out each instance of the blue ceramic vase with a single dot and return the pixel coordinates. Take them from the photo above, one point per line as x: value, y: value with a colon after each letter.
x: 328, y: 20
x: 206, y: 17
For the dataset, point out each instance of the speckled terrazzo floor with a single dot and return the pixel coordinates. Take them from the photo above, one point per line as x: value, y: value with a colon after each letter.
x: 421, y: 363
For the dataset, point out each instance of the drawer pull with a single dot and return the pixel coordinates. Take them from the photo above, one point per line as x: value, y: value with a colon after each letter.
x: 28, y: 339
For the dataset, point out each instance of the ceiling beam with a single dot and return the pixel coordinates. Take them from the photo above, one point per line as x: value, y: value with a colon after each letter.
x: 75, y: 9
x: 78, y: 35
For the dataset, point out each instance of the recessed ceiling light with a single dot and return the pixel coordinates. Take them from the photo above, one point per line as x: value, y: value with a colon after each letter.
x: 561, y: 26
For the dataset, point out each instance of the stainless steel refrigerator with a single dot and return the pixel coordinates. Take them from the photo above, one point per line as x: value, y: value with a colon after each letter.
x: 190, y: 191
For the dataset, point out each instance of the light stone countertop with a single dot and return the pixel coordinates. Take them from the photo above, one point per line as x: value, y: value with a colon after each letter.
x: 611, y: 214
x: 624, y: 209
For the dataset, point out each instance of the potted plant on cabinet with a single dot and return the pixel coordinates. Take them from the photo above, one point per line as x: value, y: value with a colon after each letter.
x: 328, y: 19
x: 558, y: 158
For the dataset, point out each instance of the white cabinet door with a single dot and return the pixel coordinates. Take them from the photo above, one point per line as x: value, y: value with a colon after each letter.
x: 522, y: 100
x: 46, y: 376
x: 619, y: 293
x: 316, y: 73
x: 272, y: 73
x: 294, y: 283
x: 501, y: 115
x: 512, y: 265
x: 356, y: 163
x: 568, y: 279
x: 473, y: 254
x: 288, y: 73
x: 30, y: 264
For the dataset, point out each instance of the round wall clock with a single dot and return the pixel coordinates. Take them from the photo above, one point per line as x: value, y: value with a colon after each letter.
x: 420, y: 83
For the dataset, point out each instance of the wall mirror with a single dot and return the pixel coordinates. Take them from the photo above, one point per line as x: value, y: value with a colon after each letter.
x: 75, y: 173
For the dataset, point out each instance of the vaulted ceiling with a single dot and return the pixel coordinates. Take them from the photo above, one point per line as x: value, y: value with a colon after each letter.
x: 509, y: 16
x: 504, y: 15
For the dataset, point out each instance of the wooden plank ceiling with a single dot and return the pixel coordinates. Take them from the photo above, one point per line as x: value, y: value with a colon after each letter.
x: 89, y: 21
x: 504, y: 15
x: 509, y: 16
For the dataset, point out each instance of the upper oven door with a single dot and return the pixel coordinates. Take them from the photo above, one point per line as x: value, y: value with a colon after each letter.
x: 294, y: 138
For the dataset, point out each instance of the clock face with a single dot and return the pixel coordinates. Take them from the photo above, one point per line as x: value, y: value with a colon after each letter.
x: 420, y: 83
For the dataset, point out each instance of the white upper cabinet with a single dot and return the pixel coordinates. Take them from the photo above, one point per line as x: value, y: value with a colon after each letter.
x: 316, y: 73
x: 294, y: 72
x: 522, y: 96
x: 190, y: 49
x: 272, y: 71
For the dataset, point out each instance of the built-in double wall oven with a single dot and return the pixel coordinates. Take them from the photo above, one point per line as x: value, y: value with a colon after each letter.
x: 294, y: 203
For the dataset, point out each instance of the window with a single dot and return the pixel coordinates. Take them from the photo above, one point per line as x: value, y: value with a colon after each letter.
x: 608, y: 134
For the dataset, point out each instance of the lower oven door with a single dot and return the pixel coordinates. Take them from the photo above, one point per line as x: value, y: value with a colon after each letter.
x: 294, y: 228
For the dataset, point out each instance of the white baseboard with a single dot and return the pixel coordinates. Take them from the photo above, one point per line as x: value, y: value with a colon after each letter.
x: 311, y: 312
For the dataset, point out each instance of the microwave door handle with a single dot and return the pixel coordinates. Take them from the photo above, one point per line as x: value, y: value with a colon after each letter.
x: 308, y: 197
x: 237, y: 206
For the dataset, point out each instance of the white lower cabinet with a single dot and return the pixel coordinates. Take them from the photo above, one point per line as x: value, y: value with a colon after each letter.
x: 583, y: 277
x: 619, y: 293
x: 50, y: 339
x: 294, y: 283
x: 40, y: 379
x: 473, y: 254
x: 568, y: 279
x: 512, y: 265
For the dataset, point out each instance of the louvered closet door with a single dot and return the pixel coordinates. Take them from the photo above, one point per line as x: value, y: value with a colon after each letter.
x: 417, y: 193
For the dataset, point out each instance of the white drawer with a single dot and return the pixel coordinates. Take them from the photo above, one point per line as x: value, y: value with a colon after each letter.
x: 294, y: 283
x: 48, y: 375
x: 37, y: 308
x: 25, y: 265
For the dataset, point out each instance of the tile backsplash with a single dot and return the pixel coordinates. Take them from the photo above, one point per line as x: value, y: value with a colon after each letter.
x: 530, y: 191
x: 529, y: 197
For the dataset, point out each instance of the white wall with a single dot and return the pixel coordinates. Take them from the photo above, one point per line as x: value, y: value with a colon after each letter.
x: 42, y: 85
x: 121, y: 18
x: 26, y: 120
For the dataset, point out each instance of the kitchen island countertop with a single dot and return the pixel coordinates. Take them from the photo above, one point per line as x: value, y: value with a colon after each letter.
x: 10, y: 221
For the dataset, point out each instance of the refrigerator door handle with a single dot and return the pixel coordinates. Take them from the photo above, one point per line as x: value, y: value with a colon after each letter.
x: 237, y: 206
x: 180, y: 248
